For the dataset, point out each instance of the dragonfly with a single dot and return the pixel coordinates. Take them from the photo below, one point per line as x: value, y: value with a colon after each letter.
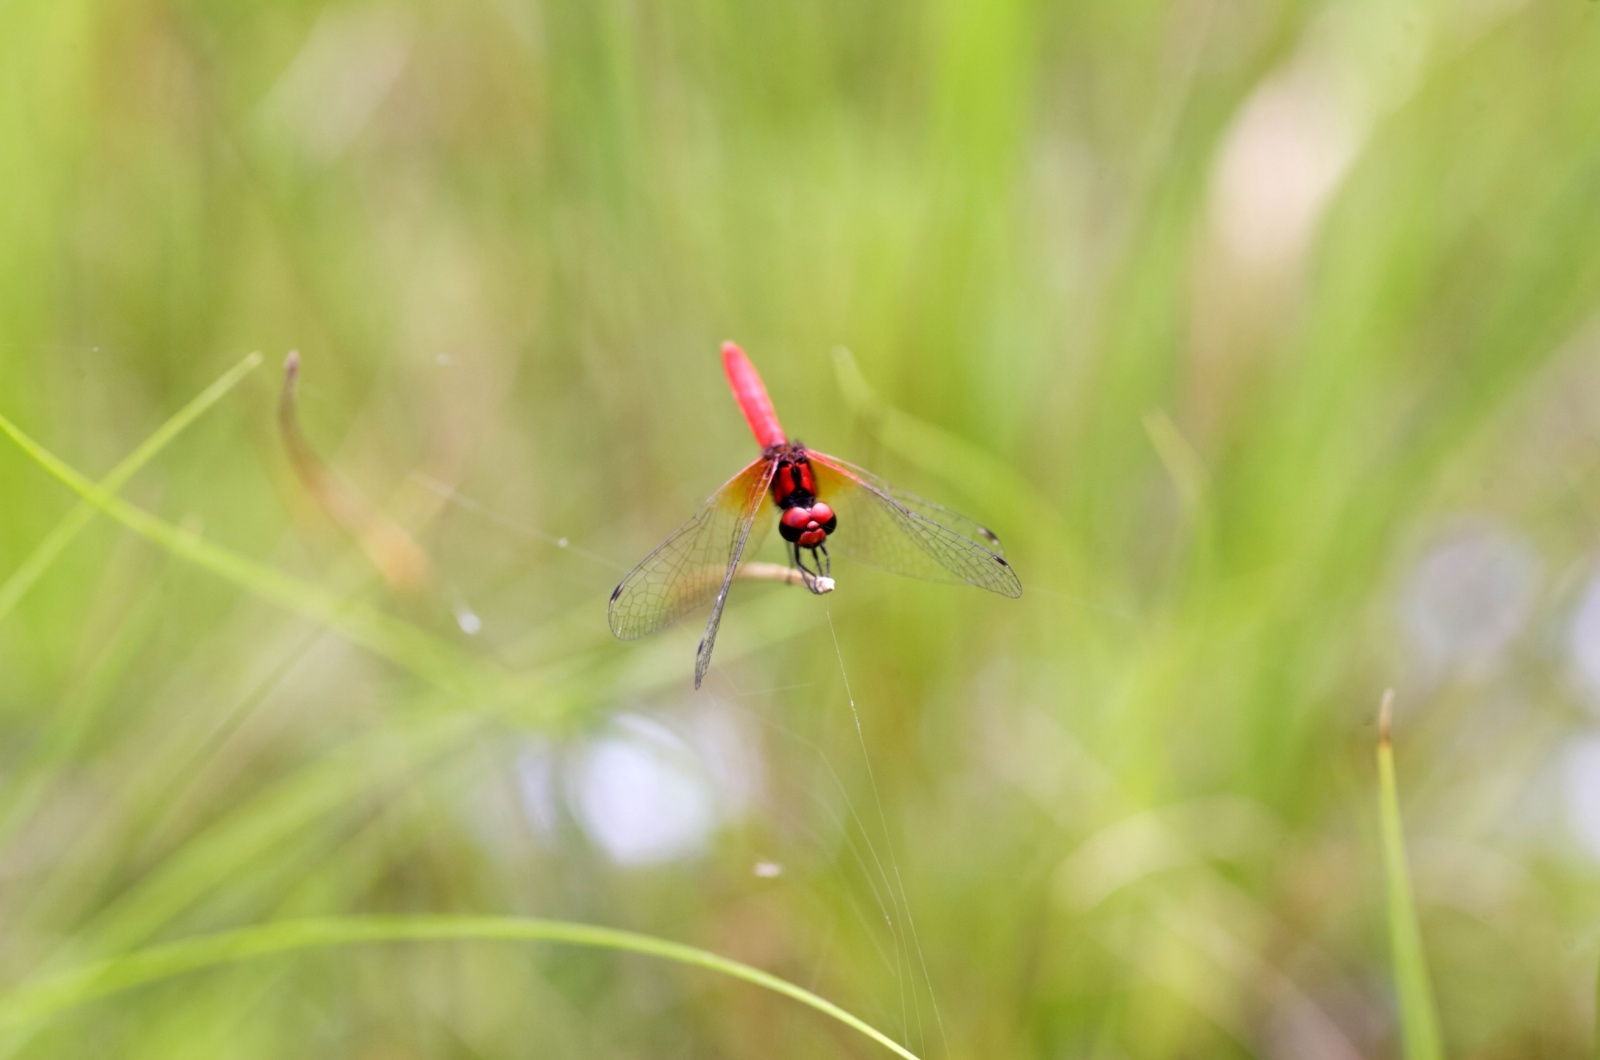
x: 821, y: 501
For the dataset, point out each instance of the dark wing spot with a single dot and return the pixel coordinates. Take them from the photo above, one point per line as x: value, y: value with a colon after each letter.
x: 616, y: 592
x: 990, y: 534
x: 1002, y: 561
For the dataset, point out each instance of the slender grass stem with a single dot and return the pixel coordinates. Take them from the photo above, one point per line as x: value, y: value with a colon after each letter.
x: 1419, y: 1022
x: 44, y: 555
x: 78, y: 986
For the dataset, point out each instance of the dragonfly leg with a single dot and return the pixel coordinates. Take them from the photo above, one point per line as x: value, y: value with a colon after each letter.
x: 800, y: 565
x: 807, y: 575
x: 819, y: 557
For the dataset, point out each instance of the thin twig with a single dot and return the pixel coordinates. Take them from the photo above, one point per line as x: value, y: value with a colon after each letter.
x: 777, y: 572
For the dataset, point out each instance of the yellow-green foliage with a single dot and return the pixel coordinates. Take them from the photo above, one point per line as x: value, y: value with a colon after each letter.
x: 1264, y: 334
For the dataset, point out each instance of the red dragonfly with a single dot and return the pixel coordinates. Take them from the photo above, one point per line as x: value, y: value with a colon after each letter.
x: 819, y: 496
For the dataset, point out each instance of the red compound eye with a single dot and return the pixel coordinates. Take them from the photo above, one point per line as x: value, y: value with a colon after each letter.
x: 797, y: 518
x: 821, y: 512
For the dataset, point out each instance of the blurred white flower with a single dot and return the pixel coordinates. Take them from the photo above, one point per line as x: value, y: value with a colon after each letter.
x: 536, y: 771
x: 1580, y: 774
x: 1279, y: 165
x: 1583, y: 639
x: 726, y: 747
x: 468, y: 619
x: 647, y: 794
x: 640, y: 806
x: 1468, y: 597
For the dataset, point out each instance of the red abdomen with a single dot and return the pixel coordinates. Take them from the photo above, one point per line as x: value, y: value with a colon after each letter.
x: 751, y: 394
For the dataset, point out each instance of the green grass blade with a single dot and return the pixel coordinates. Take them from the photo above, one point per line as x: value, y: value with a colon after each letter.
x: 403, y: 645
x: 1419, y: 1022
x: 22, y: 795
x: 33, y: 568
x: 275, y: 827
x: 80, y: 985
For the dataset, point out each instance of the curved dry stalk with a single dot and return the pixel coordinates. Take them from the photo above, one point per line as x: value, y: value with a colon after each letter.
x: 396, y: 555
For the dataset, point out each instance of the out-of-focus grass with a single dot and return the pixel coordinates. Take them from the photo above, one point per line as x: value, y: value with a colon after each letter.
x: 1262, y: 333
x: 392, y: 640
x: 44, y: 556
x: 65, y: 737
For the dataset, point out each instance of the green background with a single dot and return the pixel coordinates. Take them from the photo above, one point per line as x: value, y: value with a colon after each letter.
x: 1263, y: 333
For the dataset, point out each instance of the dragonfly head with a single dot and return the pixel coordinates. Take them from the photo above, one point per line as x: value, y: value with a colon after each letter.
x: 807, y: 522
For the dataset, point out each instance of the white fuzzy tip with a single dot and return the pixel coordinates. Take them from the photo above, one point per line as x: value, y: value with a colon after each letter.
x: 824, y: 585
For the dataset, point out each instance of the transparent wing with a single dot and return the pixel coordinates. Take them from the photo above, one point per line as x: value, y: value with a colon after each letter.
x: 905, y: 534
x: 687, y: 569
x: 970, y: 529
x: 708, y: 639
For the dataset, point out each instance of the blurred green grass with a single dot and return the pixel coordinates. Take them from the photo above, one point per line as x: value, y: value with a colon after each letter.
x: 1263, y: 333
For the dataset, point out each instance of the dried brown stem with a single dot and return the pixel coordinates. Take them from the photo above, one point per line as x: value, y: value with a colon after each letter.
x: 396, y: 555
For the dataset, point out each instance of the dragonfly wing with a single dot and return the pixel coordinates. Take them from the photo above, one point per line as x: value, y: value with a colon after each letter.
x: 970, y: 529
x: 905, y: 534
x: 687, y: 569
x: 702, y: 654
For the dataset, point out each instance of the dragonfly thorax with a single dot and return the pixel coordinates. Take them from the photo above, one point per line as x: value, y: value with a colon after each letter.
x: 793, y: 475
